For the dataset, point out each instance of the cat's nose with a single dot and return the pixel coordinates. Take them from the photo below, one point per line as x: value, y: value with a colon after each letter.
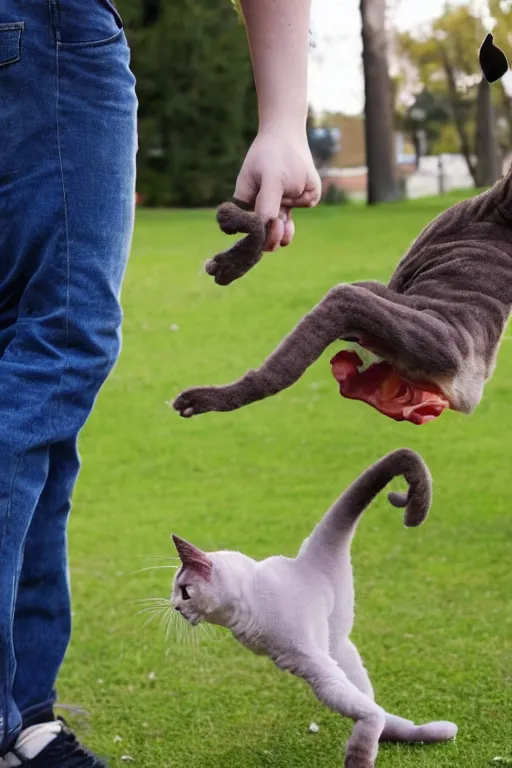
x: 177, y: 608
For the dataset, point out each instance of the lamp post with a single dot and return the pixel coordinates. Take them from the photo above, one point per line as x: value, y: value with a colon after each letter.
x: 417, y: 116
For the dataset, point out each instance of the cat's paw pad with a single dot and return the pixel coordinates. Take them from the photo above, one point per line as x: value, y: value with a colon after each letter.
x: 192, y: 402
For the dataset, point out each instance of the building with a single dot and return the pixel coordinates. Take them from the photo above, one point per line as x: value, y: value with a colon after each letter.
x: 347, y: 168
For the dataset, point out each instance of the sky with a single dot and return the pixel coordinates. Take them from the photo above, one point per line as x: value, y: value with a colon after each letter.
x: 335, y: 72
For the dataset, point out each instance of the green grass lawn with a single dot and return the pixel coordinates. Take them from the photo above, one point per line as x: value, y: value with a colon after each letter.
x: 434, y: 604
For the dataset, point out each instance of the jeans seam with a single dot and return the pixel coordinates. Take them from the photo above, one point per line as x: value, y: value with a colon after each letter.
x: 92, y: 43
x: 16, y: 27
x: 54, y: 18
x: 66, y: 229
x: 6, y: 688
x: 13, y: 26
x: 12, y: 60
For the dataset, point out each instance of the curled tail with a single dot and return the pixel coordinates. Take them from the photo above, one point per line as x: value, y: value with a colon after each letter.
x: 342, y: 517
x: 416, y: 500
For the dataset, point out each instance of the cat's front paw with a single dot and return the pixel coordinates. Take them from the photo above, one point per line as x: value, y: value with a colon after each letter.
x: 355, y: 761
x: 225, y: 268
x: 192, y: 402
x: 358, y: 758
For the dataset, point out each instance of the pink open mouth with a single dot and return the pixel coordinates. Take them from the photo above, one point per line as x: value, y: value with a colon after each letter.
x: 382, y: 387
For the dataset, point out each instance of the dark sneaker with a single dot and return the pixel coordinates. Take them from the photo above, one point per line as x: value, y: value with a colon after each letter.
x: 63, y: 751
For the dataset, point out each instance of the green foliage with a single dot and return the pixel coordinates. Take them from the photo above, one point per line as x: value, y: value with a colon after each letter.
x: 197, y: 104
x: 433, y: 618
x: 501, y: 10
x: 447, y: 140
x: 446, y: 62
x: 435, y: 121
x: 238, y: 8
x: 460, y: 32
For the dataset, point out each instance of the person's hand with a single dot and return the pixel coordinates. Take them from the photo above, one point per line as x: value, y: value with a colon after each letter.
x: 279, y: 174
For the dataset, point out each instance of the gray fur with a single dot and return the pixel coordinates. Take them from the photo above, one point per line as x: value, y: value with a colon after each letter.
x: 440, y: 318
x: 245, y: 254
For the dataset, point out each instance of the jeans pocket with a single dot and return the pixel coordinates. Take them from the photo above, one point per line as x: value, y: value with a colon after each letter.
x: 10, y: 43
x: 90, y: 23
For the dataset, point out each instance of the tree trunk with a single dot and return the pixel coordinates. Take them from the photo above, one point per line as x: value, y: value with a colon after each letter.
x: 487, y: 168
x: 379, y: 134
x: 506, y: 104
x: 465, y: 146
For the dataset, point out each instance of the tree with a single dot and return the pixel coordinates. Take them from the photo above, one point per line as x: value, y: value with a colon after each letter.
x: 423, y: 121
x: 197, y: 103
x: 446, y: 62
x: 379, y: 135
x: 501, y: 10
x: 488, y: 167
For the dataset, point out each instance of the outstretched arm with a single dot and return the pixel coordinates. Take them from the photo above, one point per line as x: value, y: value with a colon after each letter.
x: 278, y: 172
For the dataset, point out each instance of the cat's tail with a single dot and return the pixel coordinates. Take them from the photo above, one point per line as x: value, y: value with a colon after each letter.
x: 341, y: 519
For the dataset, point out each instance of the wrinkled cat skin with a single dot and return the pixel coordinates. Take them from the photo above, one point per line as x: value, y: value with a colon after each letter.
x: 299, y: 611
x: 439, y: 321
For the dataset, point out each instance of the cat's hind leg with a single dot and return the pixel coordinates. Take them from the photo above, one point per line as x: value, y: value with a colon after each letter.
x: 397, y: 729
x: 334, y: 689
x: 422, y: 338
x: 347, y: 657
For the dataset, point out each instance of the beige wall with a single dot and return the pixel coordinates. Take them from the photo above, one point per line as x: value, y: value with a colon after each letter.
x: 352, y: 152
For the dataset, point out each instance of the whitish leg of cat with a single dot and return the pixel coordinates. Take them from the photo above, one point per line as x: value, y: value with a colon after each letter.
x: 401, y: 325
x: 332, y: 687
x: 347, y: 657
x: 400, y: 729
x: 396, y: 728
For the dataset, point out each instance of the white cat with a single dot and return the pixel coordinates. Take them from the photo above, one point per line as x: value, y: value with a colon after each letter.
x: 300, y: 611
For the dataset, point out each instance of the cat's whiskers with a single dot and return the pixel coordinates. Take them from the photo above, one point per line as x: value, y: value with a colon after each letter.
x: 151, y: 609
x: 152, y: 600
x: 175, y: 627
x: 152, y: 618
x: 155, y: 568
x: 155, y: 614
x: 178, y: 628
x: 190, y: 636
x: 168, y: 622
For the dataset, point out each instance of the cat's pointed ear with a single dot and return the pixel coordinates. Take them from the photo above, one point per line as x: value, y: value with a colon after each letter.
x: 193, y: 558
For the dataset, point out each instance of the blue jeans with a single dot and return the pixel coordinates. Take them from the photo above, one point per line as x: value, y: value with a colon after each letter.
x: 67, y: 176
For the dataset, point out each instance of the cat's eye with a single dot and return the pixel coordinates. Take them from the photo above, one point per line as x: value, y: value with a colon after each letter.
x: 184, y: 593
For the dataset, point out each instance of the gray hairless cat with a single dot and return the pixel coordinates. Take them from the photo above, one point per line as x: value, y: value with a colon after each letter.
x: 436, y: 326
